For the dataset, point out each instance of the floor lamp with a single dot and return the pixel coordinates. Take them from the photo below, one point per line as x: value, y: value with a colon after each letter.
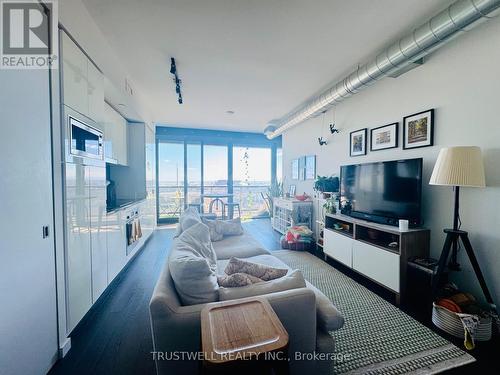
x: 459, y: 167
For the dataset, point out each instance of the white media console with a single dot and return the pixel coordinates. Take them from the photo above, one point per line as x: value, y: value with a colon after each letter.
x: 376, y: 251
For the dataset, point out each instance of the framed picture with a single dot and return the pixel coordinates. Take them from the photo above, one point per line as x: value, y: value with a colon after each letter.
x: 384, y: 137
x: 302, y: 168
x: 418, y: 130
x: 310, y: 167
x: 291, y: 190
x: 357, y: 145
x: 295, y: 169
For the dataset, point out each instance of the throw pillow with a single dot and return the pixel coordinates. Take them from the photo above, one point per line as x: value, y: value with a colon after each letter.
x: 231, y: 227
x: 291, y: 281
x: 188, y: 218
x: 261, y: 271
x: 237, y: 280
x: 193, y: 266
x: 215, y: 235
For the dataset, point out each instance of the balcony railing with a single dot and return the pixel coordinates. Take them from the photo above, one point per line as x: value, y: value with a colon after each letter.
x: 172, y: 200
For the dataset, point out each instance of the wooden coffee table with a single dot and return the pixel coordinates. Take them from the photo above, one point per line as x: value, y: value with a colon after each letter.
x: 241, y: 333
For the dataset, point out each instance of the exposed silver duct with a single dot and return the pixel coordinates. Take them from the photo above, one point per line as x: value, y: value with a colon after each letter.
x: 460, y: 16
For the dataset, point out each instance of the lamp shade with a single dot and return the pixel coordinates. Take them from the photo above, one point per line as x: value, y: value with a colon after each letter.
x: 459, y: 166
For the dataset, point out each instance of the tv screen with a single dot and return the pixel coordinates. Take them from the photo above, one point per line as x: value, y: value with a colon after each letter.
x: 383, y: 192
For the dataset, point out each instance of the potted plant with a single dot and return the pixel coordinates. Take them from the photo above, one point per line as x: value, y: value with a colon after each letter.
x: 273, y: 191
x: 327, y: 185
x: 330, y: 205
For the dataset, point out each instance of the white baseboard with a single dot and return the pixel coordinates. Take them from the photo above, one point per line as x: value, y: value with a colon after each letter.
x: 65, y: 347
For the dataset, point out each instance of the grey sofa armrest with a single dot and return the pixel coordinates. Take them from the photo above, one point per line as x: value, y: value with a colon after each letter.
x: 329, y: 318
x: 176, y: 329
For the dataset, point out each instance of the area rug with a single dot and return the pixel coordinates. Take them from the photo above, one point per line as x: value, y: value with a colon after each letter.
x: 377, y: 338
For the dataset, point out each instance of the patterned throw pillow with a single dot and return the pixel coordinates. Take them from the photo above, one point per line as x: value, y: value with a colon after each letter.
x: 261, y: 271
x: 237, y: 280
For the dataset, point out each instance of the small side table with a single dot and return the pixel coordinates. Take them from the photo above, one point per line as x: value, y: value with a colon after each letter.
x: 242, y: 334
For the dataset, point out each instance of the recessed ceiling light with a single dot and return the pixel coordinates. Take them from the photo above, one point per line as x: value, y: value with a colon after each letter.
x: 230, y: 112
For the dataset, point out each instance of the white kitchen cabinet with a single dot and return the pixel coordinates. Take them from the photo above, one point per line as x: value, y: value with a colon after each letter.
x: 95, y: 91
x: 98, y: 225
x: 338, y: 246
x: 116, y: 243
x: 78, y: 256
x: 83, y: 83
x: 115, y: 136
x: 378, y: 264
x: 74, y: 76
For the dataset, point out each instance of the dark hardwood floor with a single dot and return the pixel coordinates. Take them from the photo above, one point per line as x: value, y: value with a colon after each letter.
x: 115, y: 336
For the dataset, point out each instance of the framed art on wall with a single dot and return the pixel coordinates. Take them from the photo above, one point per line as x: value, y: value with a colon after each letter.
x: 295, y: 169
x: 302, y: 168
x: 384, y: 137
x: 310, y: 167
x: 418, y: 130
x: 357, y: 144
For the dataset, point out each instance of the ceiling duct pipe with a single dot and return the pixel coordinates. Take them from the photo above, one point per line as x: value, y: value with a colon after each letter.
x: 458, y: 17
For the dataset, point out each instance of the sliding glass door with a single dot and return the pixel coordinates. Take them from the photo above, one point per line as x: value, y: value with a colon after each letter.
x: 170, y: 181
x: 197, y: 166
x: 251, y: 179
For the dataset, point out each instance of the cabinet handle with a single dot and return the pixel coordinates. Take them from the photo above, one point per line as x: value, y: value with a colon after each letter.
x: 45, y: 231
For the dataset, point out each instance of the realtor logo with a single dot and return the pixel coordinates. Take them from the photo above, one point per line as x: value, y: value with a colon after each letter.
x: 28, y: 34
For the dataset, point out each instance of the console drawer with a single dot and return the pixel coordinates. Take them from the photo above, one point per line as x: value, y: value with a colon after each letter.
x: 379, y: 265
x: 338, y: 247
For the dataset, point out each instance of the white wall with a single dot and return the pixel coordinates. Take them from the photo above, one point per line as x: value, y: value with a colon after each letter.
x: 462, y: 82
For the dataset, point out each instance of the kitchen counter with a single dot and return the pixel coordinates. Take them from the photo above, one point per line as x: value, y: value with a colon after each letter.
x: 123, y: 204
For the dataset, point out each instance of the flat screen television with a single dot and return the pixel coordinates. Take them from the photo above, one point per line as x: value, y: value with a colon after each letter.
x: 383, y: 192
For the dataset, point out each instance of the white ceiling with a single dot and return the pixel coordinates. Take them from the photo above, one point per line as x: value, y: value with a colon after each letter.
x: 258, y: 58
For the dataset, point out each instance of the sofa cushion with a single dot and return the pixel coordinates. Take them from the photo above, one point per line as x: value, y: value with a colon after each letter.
x: 291, y: 281
x: 328, y: 317
x: 215, y: 234
x: 243, y: 246
x: 193, y: 266
x: 188, y: 218
x: 260, y: 270
x: 231, y: 227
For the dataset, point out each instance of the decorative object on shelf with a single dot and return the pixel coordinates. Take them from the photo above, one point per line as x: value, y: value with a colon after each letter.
x: 357, y: 145
x: 459, y: 166
x: 326, y: 185
x: 418, y: 130
x: 291, y: 190
x: 332, y: 129
x: 310, y: 167
x: 302, y: 197
x: 330, y: 205
x: 384, y: 137
x: 295, y: 169
x: 302, y: 168
x: 176, y: 79
x: 273, y: 191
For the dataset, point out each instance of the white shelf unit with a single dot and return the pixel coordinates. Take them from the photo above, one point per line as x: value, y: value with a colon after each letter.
x: 289, y: 212
x: 319, y: 220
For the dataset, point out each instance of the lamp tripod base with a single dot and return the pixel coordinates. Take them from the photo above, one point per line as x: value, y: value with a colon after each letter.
x: 453, y: 236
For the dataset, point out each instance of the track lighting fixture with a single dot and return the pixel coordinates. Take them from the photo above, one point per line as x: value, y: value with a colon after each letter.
x: 177, y: 81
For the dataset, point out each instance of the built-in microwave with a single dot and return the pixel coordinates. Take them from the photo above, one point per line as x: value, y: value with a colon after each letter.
x: 85, y: 140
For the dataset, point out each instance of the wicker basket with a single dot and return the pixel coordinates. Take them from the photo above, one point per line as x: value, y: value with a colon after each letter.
x: 450, y: 322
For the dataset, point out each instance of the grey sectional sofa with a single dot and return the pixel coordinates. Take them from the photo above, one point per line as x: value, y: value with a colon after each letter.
x: 306, y: 314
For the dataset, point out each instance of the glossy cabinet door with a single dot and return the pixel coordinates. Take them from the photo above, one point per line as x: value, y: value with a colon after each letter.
x: 116, y: 243
x: 95, y: 91
x: 338, y: 246
x: 115, y: 136
x: 74, y: 76
x: 98, y: 226
x: 78, y: 250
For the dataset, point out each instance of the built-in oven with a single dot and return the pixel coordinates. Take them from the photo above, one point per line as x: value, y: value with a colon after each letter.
x: 133, y: 231
x: 85, y: 140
